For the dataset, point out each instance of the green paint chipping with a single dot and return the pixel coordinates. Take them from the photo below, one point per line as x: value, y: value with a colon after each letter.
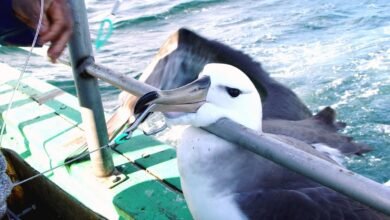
x: 150, y: 199
x: 141, y: 196
x: 154, y: 156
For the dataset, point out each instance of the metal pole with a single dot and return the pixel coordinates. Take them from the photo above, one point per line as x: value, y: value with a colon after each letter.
x: 121, y: 81
x: 87, y: 88
x: 342, y: 180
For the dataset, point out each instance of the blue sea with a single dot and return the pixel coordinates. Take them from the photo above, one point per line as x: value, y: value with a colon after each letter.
x: 331, y: 53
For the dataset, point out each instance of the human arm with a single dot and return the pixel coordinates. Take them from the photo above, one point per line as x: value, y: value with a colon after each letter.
x: 22, y: 18
x: 12, y: 30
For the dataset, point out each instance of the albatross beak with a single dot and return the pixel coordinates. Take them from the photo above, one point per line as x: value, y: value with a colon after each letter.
x: 187, y: 98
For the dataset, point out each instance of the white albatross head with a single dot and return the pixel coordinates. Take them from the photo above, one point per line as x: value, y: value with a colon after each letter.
x: 231, y: 94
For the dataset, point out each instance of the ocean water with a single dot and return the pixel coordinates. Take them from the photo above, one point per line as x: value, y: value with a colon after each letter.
x: 331, y: 53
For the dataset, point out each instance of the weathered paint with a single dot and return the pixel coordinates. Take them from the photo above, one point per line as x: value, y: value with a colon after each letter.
x: 157, y: 158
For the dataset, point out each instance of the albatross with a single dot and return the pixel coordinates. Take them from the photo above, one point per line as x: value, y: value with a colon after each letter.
x: 221, y: 180
x: 183, y: 56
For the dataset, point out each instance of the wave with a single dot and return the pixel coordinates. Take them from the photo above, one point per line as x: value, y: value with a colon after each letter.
x: 173, y: 11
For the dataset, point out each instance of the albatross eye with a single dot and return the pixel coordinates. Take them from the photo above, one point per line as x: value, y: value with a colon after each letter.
x: 233, y: 92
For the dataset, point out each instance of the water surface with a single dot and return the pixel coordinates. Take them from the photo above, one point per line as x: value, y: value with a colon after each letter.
x: 331, y: 53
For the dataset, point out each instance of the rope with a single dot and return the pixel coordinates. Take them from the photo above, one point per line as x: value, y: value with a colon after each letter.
x: 106, y: 27
x: 103, y: 36
x: 24, y: 68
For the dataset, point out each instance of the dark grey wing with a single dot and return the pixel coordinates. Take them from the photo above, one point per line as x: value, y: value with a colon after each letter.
x: 184, y: 55
x: 318, y: 203
x: 321, y: 128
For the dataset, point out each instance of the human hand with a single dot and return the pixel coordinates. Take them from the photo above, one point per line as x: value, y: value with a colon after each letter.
x: 57, y: 23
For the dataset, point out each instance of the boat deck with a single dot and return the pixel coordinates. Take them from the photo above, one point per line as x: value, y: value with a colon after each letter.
x: 41, y: 128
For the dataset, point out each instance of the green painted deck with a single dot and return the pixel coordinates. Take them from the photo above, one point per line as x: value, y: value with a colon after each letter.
x: 39, y: 127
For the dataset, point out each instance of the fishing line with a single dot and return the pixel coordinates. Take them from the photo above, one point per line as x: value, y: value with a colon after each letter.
x: 25, y: 66
x: 39, y: 25
x: 58, y: 166
x: 119, y: 139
